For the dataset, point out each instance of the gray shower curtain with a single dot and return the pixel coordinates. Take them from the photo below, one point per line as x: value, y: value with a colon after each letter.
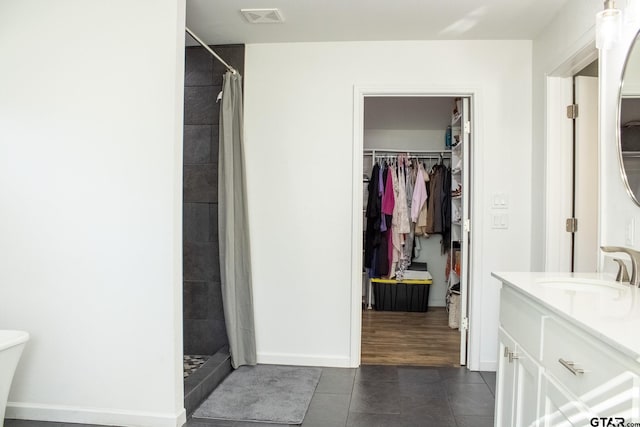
x: 233, y: 227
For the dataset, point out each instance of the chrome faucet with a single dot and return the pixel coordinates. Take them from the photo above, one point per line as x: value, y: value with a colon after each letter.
x: 623, y: 274
x: 635, y: 260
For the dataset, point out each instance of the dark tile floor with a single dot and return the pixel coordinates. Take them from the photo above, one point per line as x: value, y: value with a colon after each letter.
x: 382, y: 396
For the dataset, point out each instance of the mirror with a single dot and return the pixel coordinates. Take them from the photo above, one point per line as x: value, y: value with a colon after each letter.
x: 629, y: 122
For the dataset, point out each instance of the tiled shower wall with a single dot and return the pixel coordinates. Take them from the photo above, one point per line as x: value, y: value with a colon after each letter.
x: 204, y: 327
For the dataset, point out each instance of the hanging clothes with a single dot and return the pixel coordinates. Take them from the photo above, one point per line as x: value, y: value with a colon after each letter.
x: 422, y: 186
x: 388, y: 199
x: 419, y: 197
x: 404, y: 201
x: 404, y: 225
x: 383, y: 222
x: 403, y: 209
x: 446, y: 210
x: 372, y: 213
x: 396, y: 239
x: 411, y: 177
x: 381, y: 252
x: 433, y: 203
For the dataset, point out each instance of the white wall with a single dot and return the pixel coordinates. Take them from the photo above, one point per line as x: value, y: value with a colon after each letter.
x: 299, y: 141
x: 570, y: 34
x: 411, y: 123
x: 616, y: 209
x: 412, y: 139
x: 90, y: 166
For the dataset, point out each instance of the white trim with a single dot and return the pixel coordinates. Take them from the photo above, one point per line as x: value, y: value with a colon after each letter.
x: 476, y: 282
x: 582, y: 55
x: 475, y: 294
x: 558, y: 167
x: 304, y: 359
x: 491, y: 366
x: 558, y: 174
x: 355, y: 334
x: 101, y: 416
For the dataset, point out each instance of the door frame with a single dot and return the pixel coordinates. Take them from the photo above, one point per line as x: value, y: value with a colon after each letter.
x: 558, y: 158
x: 474, y: 295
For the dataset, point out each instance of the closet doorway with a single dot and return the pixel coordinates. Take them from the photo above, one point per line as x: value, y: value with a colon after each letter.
x: 415, y: 223
x: 572, y: 187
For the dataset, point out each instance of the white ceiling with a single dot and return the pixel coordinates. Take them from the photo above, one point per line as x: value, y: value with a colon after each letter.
x: 220, y: 21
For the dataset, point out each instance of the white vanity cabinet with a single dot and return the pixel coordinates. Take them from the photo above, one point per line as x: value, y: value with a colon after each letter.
x: 519, y: 372
x: 555, y: 371
x: 518, y: 380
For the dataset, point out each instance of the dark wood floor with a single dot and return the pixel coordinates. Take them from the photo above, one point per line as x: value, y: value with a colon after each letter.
x: 409, y: 338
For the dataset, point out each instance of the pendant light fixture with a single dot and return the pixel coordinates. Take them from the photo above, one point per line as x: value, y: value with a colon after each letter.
x: 608, y: 26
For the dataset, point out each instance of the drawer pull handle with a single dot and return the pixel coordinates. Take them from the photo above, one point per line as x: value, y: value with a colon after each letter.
x: 513, y: 355
x: 571, y: 366
x: 506, y: 351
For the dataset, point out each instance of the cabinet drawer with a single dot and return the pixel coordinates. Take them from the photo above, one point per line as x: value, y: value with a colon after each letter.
x: 561, y: 408
x: 607, y: 381
x: 521, y: 319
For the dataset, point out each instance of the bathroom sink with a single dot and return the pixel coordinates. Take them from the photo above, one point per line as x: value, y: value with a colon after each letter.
x: 582, y: 285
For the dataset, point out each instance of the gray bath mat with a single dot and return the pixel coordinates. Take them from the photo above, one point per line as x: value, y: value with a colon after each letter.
x: 265, y: 393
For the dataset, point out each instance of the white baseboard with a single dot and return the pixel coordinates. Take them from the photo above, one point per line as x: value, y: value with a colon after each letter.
x: 303, y: 360
x: 109, y: 417
x: 491, y: 365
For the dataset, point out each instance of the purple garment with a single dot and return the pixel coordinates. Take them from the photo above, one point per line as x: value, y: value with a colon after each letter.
x: 383, y: 219
x: 388, y: 200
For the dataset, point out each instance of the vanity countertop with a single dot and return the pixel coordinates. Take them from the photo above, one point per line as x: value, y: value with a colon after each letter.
x: 611, y: 313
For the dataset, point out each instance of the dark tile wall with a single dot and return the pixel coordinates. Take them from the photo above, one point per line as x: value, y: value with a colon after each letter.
x: 204, y: 327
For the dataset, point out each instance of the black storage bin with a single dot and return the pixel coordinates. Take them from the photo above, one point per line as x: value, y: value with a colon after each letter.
x: 401, y: 296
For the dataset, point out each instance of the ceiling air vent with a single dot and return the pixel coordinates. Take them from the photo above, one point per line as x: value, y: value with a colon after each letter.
x: 262, y: 16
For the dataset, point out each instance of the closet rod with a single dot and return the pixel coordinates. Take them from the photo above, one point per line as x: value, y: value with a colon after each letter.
x: 419, y: 157
x: 371, y: 151
x: 204, y: 45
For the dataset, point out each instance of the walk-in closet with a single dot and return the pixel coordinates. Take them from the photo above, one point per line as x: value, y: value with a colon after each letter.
x: 415, y: 229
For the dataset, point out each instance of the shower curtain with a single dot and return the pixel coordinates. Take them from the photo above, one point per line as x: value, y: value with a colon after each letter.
x: 233, y: 227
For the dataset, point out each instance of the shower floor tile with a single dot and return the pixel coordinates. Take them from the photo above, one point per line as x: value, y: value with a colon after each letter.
x: 192, y: 363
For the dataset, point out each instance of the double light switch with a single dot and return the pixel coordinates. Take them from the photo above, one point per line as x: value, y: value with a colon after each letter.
x: 499, y: 220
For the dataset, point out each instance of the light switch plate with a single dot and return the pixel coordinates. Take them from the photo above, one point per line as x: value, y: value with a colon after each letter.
x: 500, y: 221
x: 500, y: 201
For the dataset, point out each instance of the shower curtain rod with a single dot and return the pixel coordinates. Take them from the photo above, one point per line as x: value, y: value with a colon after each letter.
x: 204, y: 45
